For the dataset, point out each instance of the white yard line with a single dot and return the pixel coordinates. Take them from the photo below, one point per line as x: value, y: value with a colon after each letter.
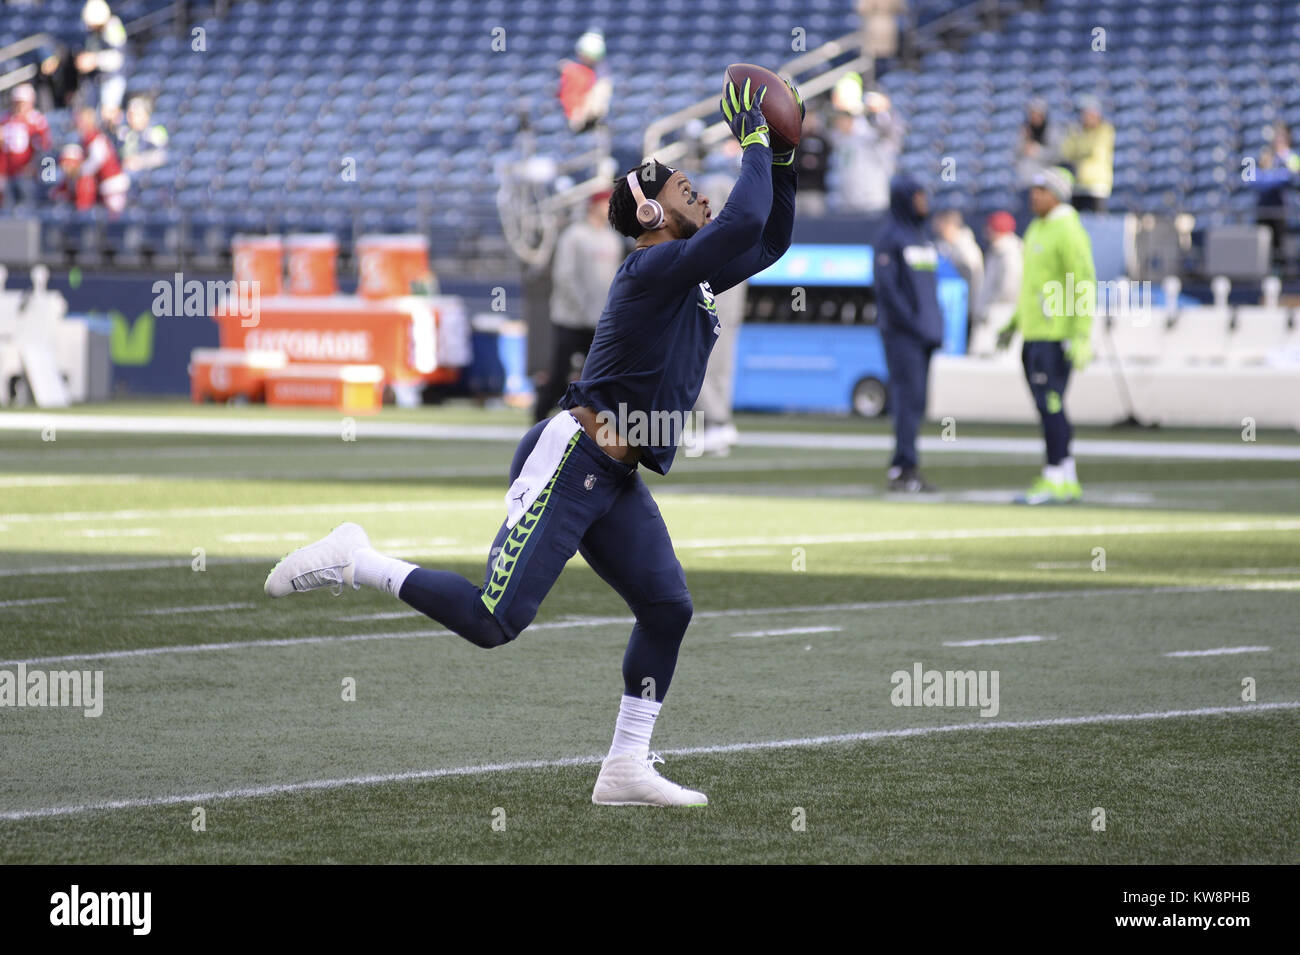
x: 29, y: 601
x: 317, y: 785
x: 730, y: 553
x: 1217, y: 652
x: 996, y: 641
x: 59, y: 570
x: 98, y: 532
x: 787, y: 632
x: 573, y: 622
x: 912, y: 559
x: 255, y: 510
x: 209, y: 608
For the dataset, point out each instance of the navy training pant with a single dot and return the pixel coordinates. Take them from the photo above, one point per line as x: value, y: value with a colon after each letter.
x: 593, y: 505
x: 908, y: 359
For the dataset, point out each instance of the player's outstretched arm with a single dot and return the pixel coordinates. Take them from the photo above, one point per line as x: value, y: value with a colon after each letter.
x: 774, y: 240
x: 740, y: 224
x: 777, y: 232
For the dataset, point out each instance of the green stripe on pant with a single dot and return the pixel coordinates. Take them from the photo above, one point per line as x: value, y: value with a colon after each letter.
x: 514, y: 544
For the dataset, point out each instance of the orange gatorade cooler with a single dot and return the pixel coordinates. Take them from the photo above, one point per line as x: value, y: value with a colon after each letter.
x: 312, y: 261
x: 231, y: 374
x: 348, y: 388
x: 259, y: 258
x: 393, y: 265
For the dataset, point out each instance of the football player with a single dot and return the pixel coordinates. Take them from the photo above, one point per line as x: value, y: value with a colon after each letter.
x: 575, y: 482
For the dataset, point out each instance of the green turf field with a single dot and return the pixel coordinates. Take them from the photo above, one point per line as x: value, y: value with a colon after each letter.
x: 812, y: 586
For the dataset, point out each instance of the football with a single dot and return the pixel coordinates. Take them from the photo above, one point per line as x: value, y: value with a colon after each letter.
x: 779, y: 105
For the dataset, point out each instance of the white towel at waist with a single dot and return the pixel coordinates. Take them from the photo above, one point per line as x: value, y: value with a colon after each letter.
x: 540, y: 466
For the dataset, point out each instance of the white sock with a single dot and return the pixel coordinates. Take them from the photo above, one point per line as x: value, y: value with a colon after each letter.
x: 636, y: 721
x: 1053, y: 473
x: 1067, y: 469
x: 372, y: 569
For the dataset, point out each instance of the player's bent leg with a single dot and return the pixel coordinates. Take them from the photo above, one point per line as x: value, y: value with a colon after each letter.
x: 651, y: 656
x: 455, y: 603
x: 630, y: 549
x: 530, y: 551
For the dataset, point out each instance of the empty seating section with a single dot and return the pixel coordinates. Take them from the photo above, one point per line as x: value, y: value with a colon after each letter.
x: 356, y: 116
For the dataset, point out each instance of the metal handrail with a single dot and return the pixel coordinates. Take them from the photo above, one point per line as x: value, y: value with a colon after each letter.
x: 544, y: 217
x: 27, y: 71
x: 174, y: 12
x: 26, y: 45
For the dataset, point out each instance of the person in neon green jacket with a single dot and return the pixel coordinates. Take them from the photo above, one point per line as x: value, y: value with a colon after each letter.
x: 1054, y: 317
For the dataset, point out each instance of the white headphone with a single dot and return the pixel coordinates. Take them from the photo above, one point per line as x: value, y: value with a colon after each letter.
x: 649, y: 213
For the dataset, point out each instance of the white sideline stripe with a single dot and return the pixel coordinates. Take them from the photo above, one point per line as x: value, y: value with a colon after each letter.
x: 1228, y: 449
x: 992, y: 533
x: 275, y: 789
x: 715, y: 543
x: 252, y: 427
x: 1217, y: 652
x: 343, y: 507
x: 570, y: 622
x: 791, y: 630
x: 163, y: 611
x: 1095, y: 448
x: 29, y: 601
x: 67, y: 480
x: 994, y: 641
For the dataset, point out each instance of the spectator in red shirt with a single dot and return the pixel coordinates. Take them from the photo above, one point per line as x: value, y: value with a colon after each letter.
x: 101, y: 163
x: 23, y: 133
x: 72, y: 186
x: 583, y: 94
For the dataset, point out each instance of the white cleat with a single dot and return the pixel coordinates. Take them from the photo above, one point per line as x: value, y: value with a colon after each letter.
x: 628, y: 781
x: 326, y: 563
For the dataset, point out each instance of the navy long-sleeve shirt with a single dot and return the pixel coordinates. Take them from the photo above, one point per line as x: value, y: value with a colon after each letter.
x: 647, y: 360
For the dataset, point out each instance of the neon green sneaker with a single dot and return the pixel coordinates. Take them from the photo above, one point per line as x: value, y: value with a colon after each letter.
x: 1043, y: 491
x: 1073, y: 492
